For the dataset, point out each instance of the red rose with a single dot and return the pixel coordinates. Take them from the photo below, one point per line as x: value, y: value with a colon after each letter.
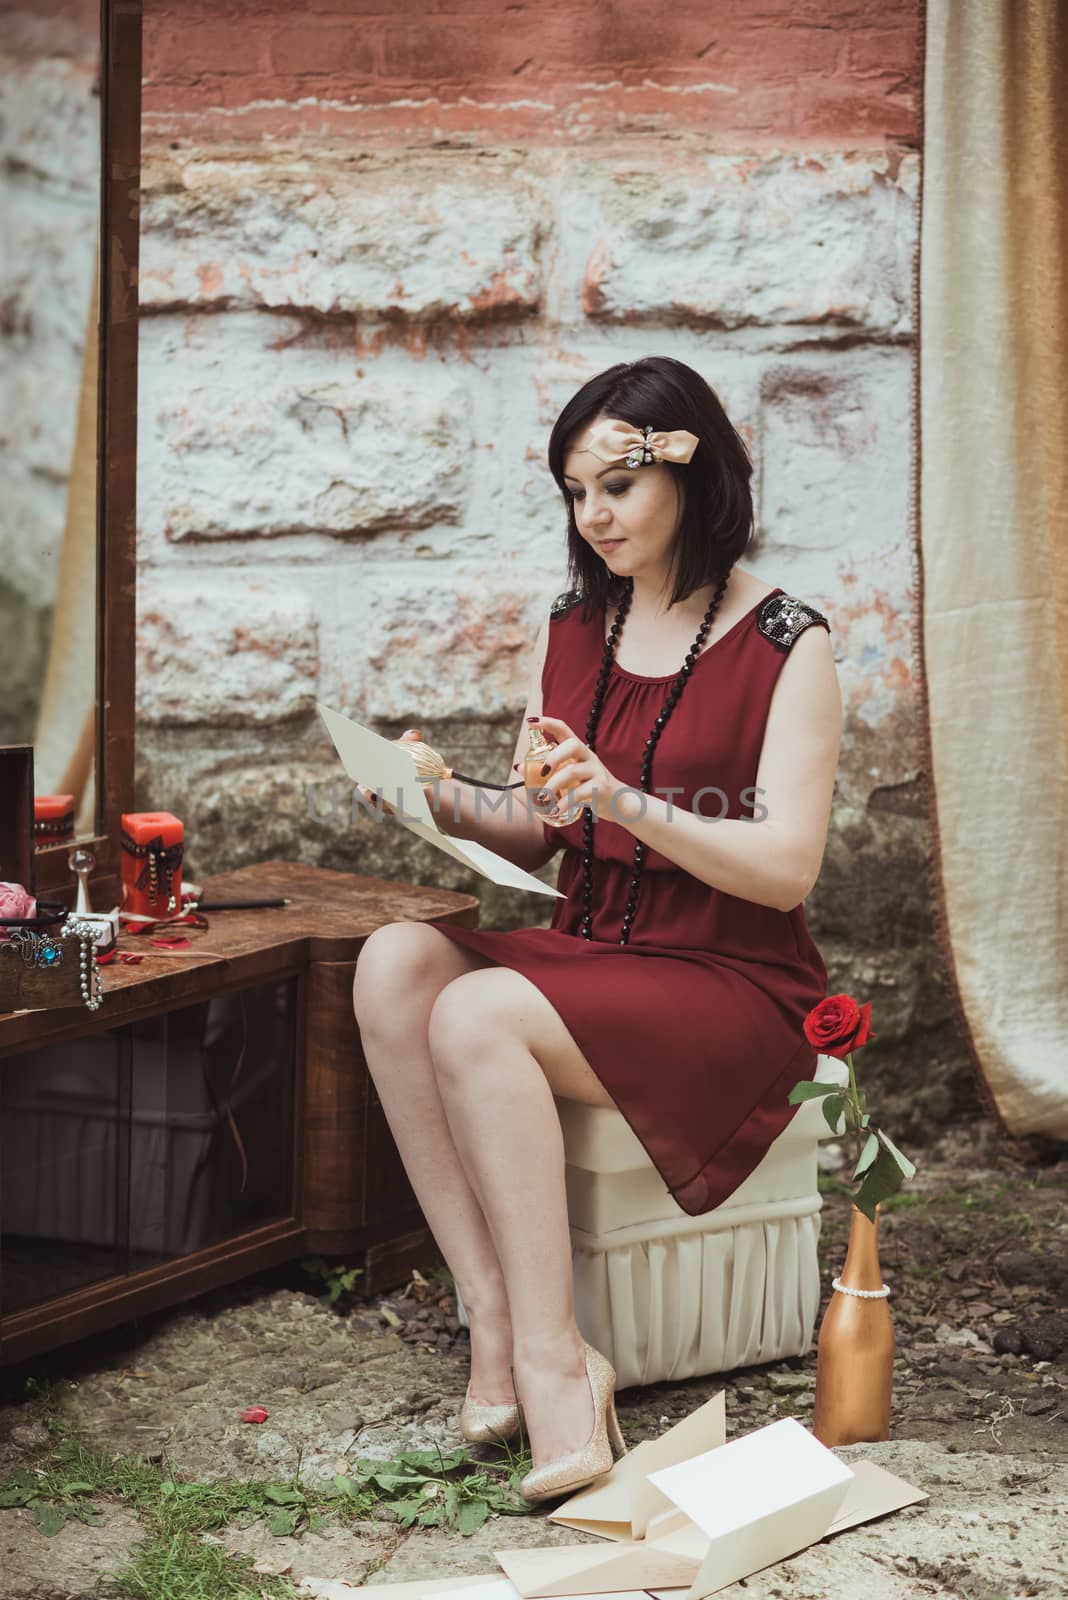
x: 838, y: 1025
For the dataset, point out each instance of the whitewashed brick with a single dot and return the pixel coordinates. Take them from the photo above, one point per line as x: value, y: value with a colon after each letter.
x: 50, y: 126
x: 460, y: 647
x: 229, y: 654
x: 241, y: 434
x: 834, y: 460
x: 393, y: 236
x: 739, y: 240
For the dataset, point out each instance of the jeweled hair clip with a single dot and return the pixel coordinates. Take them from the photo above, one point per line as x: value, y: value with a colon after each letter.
x: 618, y: 441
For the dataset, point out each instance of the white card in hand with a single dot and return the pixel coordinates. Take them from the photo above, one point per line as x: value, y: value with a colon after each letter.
x: 379, y: 764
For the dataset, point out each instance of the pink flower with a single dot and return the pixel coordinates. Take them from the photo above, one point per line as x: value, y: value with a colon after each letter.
x: 15, y: 901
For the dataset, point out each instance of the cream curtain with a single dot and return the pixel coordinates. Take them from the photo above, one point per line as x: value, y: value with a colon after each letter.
x: 994, y: 532
x: 64, y: 740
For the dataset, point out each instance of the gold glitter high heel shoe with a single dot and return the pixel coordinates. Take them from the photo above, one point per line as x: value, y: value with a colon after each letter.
x: 604, y: 1444
x: 485, y: 1424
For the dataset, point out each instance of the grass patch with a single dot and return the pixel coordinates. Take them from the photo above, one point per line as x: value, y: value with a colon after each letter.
x: 178, y: 1559
x: 182, y: 1566
x: 903, y: 1200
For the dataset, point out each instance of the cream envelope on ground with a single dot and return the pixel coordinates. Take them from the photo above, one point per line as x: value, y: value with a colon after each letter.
x: 873, y: 1493
x: 619, y: 1505
x: 567, y: 1571
x: 757, y: 1500
x: 379, y: 764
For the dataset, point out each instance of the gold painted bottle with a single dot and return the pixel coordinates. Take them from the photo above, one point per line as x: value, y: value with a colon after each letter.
x: 855, y: 1352
x: 541, y: 743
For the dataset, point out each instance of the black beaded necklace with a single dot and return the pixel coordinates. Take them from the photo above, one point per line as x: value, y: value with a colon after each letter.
x: 645, y: 780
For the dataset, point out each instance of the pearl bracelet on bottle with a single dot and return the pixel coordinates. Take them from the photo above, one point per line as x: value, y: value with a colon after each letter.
x: 861, y: 1294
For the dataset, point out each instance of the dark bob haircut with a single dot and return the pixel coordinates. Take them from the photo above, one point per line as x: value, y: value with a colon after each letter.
x: 717, y: 515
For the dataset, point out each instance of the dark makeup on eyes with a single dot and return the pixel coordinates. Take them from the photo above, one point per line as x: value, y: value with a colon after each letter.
x: 613, y: 488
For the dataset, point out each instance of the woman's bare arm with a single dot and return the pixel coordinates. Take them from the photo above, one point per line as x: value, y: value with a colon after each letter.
x: 773, y: 860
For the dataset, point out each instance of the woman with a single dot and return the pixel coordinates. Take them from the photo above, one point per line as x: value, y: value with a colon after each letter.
x: 675, y: 975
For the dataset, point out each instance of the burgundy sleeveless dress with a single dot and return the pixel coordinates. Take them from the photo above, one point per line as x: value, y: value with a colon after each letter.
x: 695, y: 1026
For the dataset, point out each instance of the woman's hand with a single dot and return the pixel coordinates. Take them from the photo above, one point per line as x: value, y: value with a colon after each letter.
x: 411, y: 736
x: 586, y: 778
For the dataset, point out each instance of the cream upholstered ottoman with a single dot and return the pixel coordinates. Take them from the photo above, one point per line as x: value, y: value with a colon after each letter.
x: 665, y: 1295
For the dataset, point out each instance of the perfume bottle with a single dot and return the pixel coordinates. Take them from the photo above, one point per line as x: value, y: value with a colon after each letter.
x: 540, y: 745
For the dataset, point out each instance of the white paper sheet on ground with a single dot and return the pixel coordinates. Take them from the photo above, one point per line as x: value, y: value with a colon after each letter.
x: 475, y: 1589
x: 379, y: 764
x: 619, y: 1505
x: 757, y: 1500
x: 489, y: 1586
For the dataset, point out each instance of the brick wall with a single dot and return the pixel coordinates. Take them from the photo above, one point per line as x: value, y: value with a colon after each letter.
x: 380, y: 250
x: 803, y: 73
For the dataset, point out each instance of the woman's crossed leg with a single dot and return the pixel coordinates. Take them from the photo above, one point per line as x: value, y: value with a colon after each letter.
x: 466, y: 1055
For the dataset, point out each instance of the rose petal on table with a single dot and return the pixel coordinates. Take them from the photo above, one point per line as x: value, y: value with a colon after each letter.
x: 254, y: 1414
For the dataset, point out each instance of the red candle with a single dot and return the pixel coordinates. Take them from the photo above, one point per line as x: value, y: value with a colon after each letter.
x: 53, y: 817
x: 151, y: 863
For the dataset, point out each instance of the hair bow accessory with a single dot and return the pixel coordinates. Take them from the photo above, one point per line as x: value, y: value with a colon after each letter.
x: 612, y: 441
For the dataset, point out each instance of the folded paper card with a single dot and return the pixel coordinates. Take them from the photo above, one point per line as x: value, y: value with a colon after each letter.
x: 731, y: 1510
x: 385, y: 767
x: 619, y: 1505
x: 757, y: 1500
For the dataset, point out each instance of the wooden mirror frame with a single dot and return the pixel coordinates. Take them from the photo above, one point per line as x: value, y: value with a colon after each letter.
x: 116, y: 567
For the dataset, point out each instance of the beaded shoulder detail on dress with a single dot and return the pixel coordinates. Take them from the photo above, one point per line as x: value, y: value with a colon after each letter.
x: 782, y: 618
x: 565, y: 602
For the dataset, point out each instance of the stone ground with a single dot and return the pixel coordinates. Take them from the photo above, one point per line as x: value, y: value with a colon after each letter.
x: 976, y: 1253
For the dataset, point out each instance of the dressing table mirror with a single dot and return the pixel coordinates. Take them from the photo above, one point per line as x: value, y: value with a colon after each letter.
x: 68, y: 402
x: 214, y: 1116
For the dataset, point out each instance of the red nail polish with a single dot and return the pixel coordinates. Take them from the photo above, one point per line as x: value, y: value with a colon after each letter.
x: 545, y: 771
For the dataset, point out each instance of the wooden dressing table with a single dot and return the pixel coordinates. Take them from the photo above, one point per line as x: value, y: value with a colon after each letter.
x: 148, y: 1156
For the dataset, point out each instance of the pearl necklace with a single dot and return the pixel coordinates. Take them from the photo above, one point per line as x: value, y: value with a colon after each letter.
x: 88, y: 970
x: 645, y: 780
x: 860, y: 1294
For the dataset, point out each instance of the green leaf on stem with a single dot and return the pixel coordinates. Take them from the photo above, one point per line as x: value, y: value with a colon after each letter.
x: 907, y: 1168
x: 867, y: 1156
x: 811, y: 1091
x: 883, y: 1178
x: 833, y: 1106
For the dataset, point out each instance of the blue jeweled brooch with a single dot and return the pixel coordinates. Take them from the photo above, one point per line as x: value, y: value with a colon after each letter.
x: 38, y: 949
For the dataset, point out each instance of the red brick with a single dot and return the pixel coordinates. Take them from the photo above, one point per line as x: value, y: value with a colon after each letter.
x: 324, y: 49
x: 841, y: 71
